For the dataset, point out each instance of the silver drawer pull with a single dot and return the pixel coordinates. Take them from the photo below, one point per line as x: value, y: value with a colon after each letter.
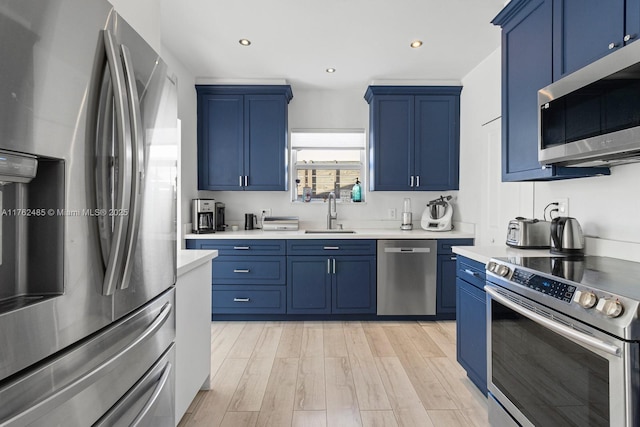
x: 241, y: 270
x: 454, y: 258
x: 241, y: 248
x: 331, y: 248
x: 241, y: 300
x: 473, y: 273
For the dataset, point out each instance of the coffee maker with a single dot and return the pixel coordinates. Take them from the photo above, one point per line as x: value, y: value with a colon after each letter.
x: 203, y: 216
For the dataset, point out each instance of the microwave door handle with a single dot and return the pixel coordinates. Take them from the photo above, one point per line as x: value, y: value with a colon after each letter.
x: 115, y: 263
x: 138, y: 162
x: 558, y: 328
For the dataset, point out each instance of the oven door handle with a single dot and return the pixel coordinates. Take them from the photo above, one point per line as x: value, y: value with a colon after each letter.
x: 556, y: 327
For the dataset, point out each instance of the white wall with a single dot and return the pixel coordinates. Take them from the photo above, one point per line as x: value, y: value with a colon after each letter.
x: 144, y: 16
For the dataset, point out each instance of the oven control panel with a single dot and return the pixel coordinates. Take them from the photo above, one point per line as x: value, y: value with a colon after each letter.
x: 562, y: 291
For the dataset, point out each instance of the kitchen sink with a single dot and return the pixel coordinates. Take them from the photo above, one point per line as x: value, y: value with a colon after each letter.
x: 326, y: 231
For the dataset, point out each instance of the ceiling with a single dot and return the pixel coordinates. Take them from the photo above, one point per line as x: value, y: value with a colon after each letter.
x: 297, y: 40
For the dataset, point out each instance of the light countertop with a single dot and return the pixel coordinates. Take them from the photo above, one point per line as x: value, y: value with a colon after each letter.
x: 193, y: 258
x: 360, y: 233
x: 484, y: 253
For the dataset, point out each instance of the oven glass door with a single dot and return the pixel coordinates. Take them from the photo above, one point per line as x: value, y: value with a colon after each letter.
x: 550, y: 379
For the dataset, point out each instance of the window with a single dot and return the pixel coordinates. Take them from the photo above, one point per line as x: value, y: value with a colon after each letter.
x: 325, y: 161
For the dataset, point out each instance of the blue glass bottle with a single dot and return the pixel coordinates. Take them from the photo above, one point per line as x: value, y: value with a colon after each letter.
x: 356, y: 192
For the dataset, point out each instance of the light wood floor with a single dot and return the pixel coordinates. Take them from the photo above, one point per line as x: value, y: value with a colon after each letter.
x: 336, y: 374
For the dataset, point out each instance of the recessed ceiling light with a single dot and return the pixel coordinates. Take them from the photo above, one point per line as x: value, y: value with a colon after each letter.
x: 416, y: 43
x: 244, y: 42
x: 330, y: 70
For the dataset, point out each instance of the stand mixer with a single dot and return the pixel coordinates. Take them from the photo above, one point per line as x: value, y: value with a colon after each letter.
x: 437, y: 215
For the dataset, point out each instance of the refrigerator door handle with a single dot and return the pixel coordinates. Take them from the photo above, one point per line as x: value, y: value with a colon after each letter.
x: 153, y: 399
x: 77, y: 385
x: 138, y: 161
x: 115, y: 262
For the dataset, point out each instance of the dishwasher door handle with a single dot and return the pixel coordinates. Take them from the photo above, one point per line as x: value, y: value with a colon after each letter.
x: 408, y: 250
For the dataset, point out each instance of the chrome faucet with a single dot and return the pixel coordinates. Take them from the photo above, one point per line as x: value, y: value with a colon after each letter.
x: 332, y: 215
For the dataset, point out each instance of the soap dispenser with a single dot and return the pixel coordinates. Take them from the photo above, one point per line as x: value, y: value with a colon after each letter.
x: 356, y: 192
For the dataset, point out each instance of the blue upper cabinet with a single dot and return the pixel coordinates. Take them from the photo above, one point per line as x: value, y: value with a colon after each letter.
x: 242, y: 137
x: 414, y: 136
x: 527, y: 58
x: 590, y: 29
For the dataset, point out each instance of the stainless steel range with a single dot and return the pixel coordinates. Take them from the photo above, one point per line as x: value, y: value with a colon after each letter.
x: 563, y: 341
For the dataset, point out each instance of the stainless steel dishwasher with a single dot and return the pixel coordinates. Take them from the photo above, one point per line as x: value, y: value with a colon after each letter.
x: 407, y: 277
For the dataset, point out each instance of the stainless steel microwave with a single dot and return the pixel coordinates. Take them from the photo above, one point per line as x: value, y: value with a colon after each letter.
x: 592, y: 117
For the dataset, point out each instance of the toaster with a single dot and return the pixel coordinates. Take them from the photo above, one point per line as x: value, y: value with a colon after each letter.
x: 527, y: 233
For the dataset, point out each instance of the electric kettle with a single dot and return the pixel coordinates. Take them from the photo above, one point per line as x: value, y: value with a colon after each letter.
x: 566, y: 236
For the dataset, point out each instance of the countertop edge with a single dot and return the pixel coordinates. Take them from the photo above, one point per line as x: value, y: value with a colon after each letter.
x: 484, y: 253
x: 189, y: 259
x: 359, y: 234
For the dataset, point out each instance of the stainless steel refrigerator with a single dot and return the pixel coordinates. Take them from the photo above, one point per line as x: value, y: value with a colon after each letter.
x: 88, y: 148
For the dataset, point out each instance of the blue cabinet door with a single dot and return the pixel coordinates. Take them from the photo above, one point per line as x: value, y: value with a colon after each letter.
x: 527, y: 56
x: 471, y: 333
x: 632, y: 21
x: 446, y: 285
x: 220, y: 142
x: 265, y: 131
x: 437, y: 142
x: 391, y: 142
x: 353, y: 284
x: 584, y: 31
x: 309, y: 284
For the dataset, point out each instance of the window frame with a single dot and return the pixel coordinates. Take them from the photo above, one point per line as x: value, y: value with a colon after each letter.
x: 294, y: 197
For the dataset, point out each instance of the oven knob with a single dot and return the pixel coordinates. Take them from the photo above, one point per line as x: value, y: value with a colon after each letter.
x: 491, y: 266
x: 502, y: 270
x: 585, y: 299
x: 609, y: 307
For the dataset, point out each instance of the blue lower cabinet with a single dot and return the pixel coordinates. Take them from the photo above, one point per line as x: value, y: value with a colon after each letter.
x: 446, y: 289
x: 324, y: 285
x: 258, y: 270
x: 308, y: 285
x: 242, y: 299
x: 354, y: 285
x: 471, y: 321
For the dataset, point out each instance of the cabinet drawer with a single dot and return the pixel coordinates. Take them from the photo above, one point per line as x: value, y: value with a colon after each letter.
x: 249, y: 270
x: 471, y: 272
x: 445, y: 245
x: 248, y: 299
x: 331, y: 247
x: 239, y: 246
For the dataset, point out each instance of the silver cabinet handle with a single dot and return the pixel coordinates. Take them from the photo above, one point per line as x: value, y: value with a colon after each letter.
x: 613, y: 45
x: 242, y: 248
x: 138, y: 161
x: 417, y: 180
x: 246, y: 180
x: 116, y: 247
x: 153, y: 399
x: 454, y: 258
x: 331, y: 248
x: 407, y: 250
x: 328, y: 266
x: 241, y: 300
x: 82, y: 382
x: 334, y: 266
x: 629, y: 37
x: 411, y: 182
x: 239, y: 180
x: 241, y: 270
x: 472, y: 273
x: 558, y: 328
